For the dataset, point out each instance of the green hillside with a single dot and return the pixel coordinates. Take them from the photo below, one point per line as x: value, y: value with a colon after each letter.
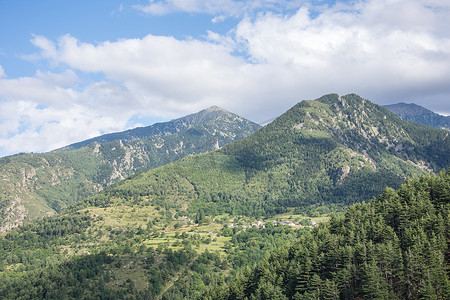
x: 35, y: 185
x: 211, y: 119
x: 132, y: 252
x: 395, y: 247
x: 317, y: 157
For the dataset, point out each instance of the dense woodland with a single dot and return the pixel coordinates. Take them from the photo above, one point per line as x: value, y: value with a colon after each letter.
x: 35, y: 262
x: 395, y: 247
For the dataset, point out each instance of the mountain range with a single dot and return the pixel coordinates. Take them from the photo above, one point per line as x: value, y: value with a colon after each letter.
x: 333, y: 150
x: 35, y: 185
x: 417, y: 113
x: 240, y: 222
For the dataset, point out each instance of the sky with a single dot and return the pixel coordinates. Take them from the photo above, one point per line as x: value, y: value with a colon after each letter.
x: 73, y: 70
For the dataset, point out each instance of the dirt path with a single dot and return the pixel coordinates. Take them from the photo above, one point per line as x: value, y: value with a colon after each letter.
x: 168, y: 285
x: 172, y: 282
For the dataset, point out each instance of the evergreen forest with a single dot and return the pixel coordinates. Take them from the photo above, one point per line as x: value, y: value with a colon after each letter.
x: 394, y: 247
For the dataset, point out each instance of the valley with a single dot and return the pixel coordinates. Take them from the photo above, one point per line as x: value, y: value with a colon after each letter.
x: 129, y: 235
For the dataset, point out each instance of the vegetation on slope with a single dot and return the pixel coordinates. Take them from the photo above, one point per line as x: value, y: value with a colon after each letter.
x: 327, y: 153
x: 133, y: 251
x: 212, y: 119
x: 395, y: 247
x: 166, y: 233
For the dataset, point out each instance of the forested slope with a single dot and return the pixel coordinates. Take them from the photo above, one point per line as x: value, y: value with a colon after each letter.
x: 395, y: 247
x: 129, y: 252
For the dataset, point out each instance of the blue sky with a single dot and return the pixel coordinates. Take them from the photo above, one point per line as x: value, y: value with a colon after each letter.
x: 72, y: 70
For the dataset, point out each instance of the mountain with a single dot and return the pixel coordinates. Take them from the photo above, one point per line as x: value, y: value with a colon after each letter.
x: 35, y: 185
x: 395, y: 247
x: 217, y: 115
x: 186, y: 229
x: 321, y: 154
x: 419, y: 114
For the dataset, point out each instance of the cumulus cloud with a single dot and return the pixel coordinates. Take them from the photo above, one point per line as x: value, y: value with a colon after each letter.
x: 45, y: 112
x: 348, y: 48
x: 162, y: 73
x: 27, y: 127
x: 163, y: 7
x: 385, y: 50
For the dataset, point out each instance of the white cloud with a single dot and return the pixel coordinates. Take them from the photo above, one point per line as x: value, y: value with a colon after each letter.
x: 218, y: 19
x: 49, y: 128
x: 35, y: 90
x: 384, y: 50
x: 66, y: 79
x: 48, y: 48
x: 364, y: 49
x: 40, y: 114
x: 2, y: 72
x: 159, y: 71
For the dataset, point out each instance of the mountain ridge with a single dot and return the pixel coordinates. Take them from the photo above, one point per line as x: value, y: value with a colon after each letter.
x: 157, y: 129
x: 35, y: 185
x: 419, y: 114
x: 334, y: 148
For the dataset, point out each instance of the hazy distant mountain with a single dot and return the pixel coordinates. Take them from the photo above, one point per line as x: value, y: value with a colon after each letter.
x: 34, y: 185
x: 417, y: 113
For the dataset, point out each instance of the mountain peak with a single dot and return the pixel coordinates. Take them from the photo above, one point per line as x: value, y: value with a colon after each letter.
x: 162, y: 129
x: 83, y: 168
x: 409, y: 109
x: 204, y: 115
x: 216, y: 108
x: 417, y: 113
